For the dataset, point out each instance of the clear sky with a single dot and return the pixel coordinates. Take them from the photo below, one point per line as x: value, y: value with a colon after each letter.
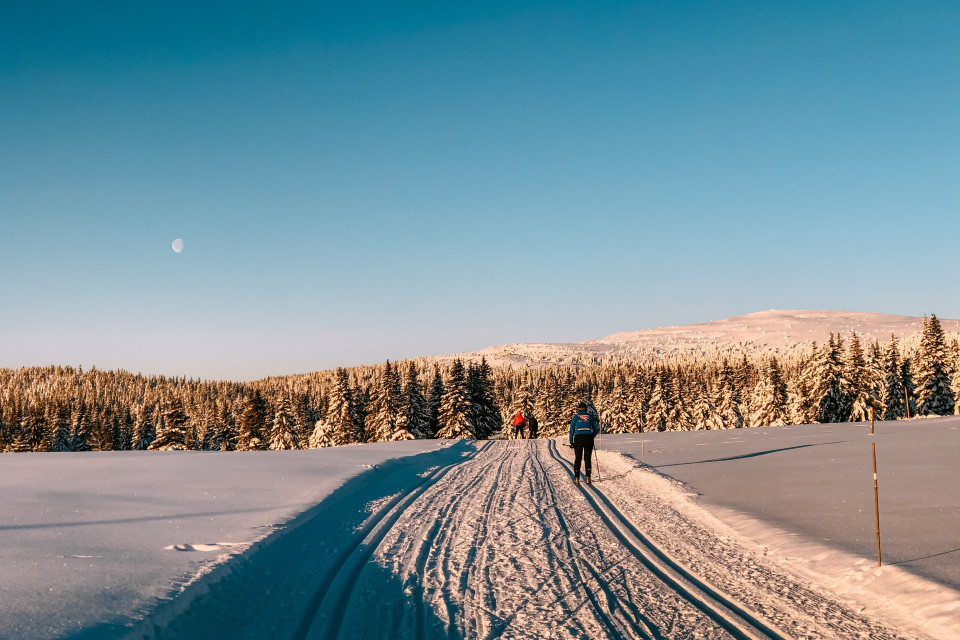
x: 360, y: 181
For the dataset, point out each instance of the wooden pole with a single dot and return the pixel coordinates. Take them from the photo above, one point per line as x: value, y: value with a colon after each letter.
x: 876, y: 501
x: 642, y: 452
x: 871, y: 420
x: 906, y: 398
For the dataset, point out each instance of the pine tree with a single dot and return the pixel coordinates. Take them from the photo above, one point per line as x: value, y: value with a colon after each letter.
x: 909, y: 390
x: 414, y: 413
x: 173, y: 435
x: 863, y: 376
x: 283, y: 434
x: 455, y: 410
x: 830, y: 389
x: 437, y: 391
x: 658, y: 414
x: 385, y: 405
x: 223, y: 437
x: 483, y: 414
x: 771, y: 398
x: 250, y: 432
x: 616, y: 416
x: 341, y: 413
x: 731, y: 401
x: 78, y: 429
x: 322, y: 435
x: 934, y: 395
x: 58, y: 427
x: 893, y: 397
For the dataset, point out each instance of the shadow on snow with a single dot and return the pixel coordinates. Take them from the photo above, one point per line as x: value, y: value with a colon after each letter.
x: 270, y: 589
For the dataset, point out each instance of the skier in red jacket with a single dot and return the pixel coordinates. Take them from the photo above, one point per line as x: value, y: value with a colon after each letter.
x: 518, y: 424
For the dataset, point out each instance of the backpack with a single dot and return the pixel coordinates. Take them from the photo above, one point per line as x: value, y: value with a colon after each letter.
x: 584, y: 424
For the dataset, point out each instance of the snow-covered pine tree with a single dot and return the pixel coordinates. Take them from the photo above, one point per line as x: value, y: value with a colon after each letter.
x: 640, y: 395
x: 731, y: 401
x: 78, y: 429
x: 384, y: 405
x: 892, y: 396
x: 414, y: 416
x: 906, y: 377
x: 770, y: 403
x: 173, y: 435
x: 251, y: 434
x: 615, y: 415
x: 39, y: 433
x: 322, y: 435
x: 934, y: 395
x: 283, y: 434
x: 58, y: 426
x: 224, y: 436
x: 713, y: 398
x: 658, y: 413
x: 455, y: 410
x: 863, y: 381
x: 483, y: 413
x: 830, y: 388
x: 437, y: 391
x: 341, y: 413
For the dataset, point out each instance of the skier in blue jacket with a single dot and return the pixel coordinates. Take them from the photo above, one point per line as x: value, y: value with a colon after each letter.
x: 583, y: 428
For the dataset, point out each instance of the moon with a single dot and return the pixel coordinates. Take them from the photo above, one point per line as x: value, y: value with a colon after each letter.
x: 178, y: 245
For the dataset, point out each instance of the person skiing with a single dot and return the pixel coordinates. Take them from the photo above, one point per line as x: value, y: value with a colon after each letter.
x: 533, y: 427
x: 583, y: 428
x: 518, y: 421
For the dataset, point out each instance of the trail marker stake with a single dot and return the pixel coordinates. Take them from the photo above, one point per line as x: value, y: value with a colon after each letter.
x: 871, y: 420
x: 642, y: 451
x: 876, y: 501
x: 906, y: 399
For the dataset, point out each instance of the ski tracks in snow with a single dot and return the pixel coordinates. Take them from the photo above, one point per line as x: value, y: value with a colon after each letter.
x: 501, y: 544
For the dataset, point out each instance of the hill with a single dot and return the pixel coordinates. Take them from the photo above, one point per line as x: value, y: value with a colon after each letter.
x: 778, y: 331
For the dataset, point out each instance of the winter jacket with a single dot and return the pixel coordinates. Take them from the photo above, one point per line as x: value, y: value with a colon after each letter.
x: 518, y: 419
x: 583, y: 424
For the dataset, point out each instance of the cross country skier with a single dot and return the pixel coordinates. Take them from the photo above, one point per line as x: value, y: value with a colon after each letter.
x: 518, y: 421
x: 583, y: 428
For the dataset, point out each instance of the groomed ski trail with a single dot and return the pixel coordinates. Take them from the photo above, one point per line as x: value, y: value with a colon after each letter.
x: 501, y: 544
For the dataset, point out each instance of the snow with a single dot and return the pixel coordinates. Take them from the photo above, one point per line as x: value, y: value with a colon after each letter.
x: 488, y: 539
x: 94, y: 539
x: 817, y: 480
x: 781, y: 331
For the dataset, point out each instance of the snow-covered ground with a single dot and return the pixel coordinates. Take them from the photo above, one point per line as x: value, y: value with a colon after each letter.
x: 90, y: 541
x: 473, y: 540
x: 817, y: 480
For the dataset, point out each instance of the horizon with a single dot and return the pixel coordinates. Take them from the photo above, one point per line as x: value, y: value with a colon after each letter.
x: 473, y: 353
x: 234, y: 192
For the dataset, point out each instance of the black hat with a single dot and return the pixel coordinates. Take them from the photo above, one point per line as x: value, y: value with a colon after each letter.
x: 582, y: 405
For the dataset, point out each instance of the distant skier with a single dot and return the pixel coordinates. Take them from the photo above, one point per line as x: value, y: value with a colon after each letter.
x: 518, y: 422
x: 583, y: 428
x: 533, y: 427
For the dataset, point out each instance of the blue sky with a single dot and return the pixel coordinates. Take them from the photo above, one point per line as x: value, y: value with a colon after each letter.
x: 362, y: 181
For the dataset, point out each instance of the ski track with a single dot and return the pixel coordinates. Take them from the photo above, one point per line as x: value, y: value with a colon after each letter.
x: 502, y: 544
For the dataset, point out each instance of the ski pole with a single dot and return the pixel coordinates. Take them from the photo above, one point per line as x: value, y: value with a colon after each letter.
x: 600, y: 434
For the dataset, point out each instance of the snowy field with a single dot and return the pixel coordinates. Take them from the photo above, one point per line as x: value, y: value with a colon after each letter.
x: 490, y: 539
x: 89, y: 541
x: 817, y: 481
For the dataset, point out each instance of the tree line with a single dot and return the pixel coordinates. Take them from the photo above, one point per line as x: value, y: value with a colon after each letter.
x: 66, y: 409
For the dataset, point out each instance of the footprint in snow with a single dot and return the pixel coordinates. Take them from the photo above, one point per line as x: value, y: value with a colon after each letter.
x: 215, y: 546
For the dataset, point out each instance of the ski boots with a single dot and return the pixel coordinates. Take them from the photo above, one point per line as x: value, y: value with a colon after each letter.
x: 588, y: 480
x: 576, y: 480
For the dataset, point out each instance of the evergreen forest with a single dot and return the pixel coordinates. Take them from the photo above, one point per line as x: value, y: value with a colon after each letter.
x: 60, y: 408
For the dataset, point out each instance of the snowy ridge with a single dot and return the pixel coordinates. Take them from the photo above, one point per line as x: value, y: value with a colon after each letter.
x: 778, y: 331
